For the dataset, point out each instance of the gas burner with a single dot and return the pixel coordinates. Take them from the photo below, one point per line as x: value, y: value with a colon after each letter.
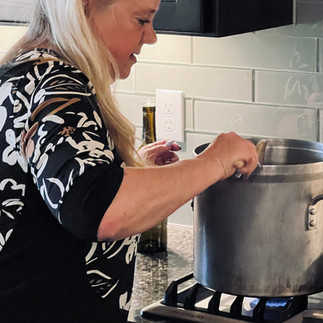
x: 200, y: 304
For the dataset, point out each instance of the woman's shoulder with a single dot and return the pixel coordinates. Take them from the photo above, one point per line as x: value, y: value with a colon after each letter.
x: 43, y: 60
x: 36, y: 54
x: 48, y: 59
x: 40, y: 65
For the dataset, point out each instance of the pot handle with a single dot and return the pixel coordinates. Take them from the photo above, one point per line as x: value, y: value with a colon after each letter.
x: 312, y: 212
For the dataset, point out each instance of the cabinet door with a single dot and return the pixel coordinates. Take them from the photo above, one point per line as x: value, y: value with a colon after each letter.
x: 180, y: 15
x: 221, y: 17
x: 239, y: 16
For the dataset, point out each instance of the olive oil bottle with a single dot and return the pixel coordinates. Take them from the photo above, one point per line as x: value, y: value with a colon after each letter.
x: 154, y: 239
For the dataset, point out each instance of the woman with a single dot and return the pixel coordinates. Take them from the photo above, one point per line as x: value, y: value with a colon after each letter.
x: 73, y: 189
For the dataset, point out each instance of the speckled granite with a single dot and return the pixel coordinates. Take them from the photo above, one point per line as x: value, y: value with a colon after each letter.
x: 154, y: 272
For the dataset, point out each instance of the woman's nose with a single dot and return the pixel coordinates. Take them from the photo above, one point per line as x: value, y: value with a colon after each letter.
x: 150, y: 36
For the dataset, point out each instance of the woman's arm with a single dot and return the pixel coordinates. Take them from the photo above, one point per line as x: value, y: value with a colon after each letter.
x: 148, y: 195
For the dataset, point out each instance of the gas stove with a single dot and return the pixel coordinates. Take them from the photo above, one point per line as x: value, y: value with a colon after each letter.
x: 197, y: 303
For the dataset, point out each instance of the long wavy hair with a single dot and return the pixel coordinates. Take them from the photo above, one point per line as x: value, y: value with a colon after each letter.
x: 62, y: 25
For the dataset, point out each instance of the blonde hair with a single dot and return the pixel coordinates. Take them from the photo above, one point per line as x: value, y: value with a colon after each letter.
x: 63, y: 26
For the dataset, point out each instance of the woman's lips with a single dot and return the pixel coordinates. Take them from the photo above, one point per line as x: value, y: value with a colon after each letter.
x: 133, y: 58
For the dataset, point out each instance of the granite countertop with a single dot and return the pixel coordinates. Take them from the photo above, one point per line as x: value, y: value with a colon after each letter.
x: 154, y: 272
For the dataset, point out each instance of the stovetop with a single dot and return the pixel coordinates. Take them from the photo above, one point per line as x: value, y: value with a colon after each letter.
x: 202, y: 305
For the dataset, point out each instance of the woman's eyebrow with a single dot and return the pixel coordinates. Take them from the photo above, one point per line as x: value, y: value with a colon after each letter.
x: 147, y: 11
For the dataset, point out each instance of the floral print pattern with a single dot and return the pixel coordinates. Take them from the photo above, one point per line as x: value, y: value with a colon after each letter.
x: 10, y: 205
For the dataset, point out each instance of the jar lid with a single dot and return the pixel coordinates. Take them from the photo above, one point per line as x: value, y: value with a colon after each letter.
x: 149, y: 103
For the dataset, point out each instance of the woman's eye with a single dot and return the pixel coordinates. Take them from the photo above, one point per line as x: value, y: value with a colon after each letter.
x: 143, y: 21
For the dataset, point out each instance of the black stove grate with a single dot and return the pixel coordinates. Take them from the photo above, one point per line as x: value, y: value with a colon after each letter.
x: 265, y: 309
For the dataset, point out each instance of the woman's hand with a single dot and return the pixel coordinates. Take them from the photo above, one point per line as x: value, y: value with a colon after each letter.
x: 231, y: 153
x: 158, y: 153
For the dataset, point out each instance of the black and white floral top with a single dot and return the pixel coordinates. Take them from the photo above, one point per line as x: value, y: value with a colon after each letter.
x: 59, y: 171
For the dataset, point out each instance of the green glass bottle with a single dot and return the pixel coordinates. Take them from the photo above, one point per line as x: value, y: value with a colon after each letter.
x: 154, y: 239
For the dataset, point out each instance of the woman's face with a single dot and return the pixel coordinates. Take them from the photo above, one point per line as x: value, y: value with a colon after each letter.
x: 124, y: 26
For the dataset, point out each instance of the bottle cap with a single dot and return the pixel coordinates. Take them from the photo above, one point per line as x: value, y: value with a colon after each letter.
x: 148, y: 103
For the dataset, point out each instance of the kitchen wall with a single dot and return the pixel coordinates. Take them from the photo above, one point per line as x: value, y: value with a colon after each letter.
x: 267, y: 83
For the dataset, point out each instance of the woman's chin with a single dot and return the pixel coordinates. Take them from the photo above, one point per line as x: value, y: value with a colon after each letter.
x: 124, y: 73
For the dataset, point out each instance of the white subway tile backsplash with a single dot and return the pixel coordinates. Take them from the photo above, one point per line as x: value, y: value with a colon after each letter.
x: 301, y: 89
x: 169, y: 48
x: 231, y: 84
x: 301, y: 29
x: 256, y: 120
x: 131, y: 106
x: 320, y: 125
x: 183, y: 216
x: 9, y: 35
x: 266, y: 49
x: 194, y: 140
x: 128, y: 84
x: 320, y: 66
x: 309, y: 12
x: 309, y: 20
x: 188, y: 114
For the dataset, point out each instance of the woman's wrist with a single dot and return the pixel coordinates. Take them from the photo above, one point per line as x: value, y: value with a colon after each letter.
x: 213, y: 169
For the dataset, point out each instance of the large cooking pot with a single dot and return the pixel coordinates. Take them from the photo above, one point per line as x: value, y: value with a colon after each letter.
x: 264, y: 236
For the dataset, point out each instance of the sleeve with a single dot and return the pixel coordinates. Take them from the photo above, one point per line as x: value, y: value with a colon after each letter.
x: 70, y: 153
x: 88, y: 199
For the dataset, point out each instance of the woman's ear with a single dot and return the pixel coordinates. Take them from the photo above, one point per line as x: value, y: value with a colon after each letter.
x: 86, y: 6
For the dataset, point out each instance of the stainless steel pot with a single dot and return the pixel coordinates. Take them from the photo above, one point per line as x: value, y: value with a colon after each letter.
x: 264, y: 236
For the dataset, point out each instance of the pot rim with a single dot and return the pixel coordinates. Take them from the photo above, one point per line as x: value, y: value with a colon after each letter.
x: 315, y: 167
